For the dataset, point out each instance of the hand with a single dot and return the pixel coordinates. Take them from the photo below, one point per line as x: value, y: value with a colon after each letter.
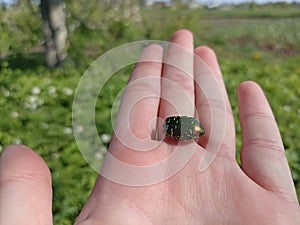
x: 261, y: 192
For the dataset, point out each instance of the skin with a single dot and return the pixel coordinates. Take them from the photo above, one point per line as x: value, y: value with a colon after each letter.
x: 261, y: 191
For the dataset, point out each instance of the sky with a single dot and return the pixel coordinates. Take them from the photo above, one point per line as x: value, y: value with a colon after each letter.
x: 5, y: 1
x: 213, y: 1
x: 241, y: 1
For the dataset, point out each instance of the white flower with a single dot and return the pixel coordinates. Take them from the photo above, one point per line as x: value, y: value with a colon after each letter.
x: 55, y: 155
x: 14, y: 114
x: 68, y: 130
x: 79, y: 129
x: 17, y: 141
x: 40, y: 101
x: 44, y: 125
x: 33, y: 101
x: 32, y: 98
x: 67, y: 91
x: 51, y: 90
x: 6, y: 93
x: 287, y: 108
x: 105, y: 138
x: 98, y: 155
x: 35, y: 90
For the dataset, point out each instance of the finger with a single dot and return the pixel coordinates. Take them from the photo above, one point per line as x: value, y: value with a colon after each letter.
x: 140, y: 101
x: 25, y: 188
x: 262, y: 155
x: 178, y: 70
x: 177, y: 86
x: 212, y: 103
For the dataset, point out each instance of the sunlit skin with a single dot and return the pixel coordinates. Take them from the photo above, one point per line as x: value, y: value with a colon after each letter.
x: 260, y: 191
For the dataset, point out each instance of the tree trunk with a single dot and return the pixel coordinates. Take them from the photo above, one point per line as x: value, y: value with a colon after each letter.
x: 55, y: 31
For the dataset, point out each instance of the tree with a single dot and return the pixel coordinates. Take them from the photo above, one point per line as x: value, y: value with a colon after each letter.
x: 100, y: 14
x: 182, y: 3
x: 93, y: 14
x: 55, y: 31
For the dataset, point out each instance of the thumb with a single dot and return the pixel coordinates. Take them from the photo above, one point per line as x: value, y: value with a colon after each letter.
x: 262, y: 155
x: 25, y: 188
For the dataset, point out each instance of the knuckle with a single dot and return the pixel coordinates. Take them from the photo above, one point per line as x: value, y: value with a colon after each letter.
x: 227, y: 151
x: 143, y: 88
x: 184, y: 80
x: 143, y: 67
x: 265, y: 143
x: 264, y: 115
x: 24, y: 178
x: 216, y: 104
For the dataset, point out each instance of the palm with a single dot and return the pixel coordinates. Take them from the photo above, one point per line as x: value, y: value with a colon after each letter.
x: 166, y: 185
x: 223, y: 192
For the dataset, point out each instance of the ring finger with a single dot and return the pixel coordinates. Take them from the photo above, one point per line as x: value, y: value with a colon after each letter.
x: 177, y: 85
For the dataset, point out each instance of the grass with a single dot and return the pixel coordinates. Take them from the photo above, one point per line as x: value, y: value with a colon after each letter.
x: 255, y: 43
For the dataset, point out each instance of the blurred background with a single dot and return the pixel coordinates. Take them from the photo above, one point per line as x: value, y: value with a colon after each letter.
x: 45, y: 47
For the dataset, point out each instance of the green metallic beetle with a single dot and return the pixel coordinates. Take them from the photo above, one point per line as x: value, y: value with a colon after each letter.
x: 183, y: 128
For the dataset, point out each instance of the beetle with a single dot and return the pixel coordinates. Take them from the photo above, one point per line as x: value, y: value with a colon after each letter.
x: 183, y: 128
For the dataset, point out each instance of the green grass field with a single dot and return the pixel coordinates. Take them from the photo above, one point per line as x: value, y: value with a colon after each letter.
x: 259, y: 43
